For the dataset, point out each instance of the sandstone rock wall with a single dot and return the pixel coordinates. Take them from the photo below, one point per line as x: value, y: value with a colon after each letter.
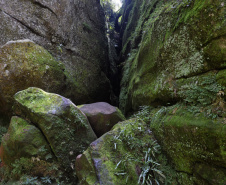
x: 175, y: 58
x: 166, y: 45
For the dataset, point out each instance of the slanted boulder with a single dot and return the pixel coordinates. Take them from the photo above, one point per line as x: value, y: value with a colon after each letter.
x: 118, y: 156
x: 64, y: 126
x: 102, y: 116
x: 23, y: 140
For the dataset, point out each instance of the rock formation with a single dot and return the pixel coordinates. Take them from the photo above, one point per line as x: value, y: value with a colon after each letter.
x: 72, y: 31
x: 116, y: 157
x: 173, y: 58
x: 171, y: 47
x: 102, y: 116
x: 64, y: 126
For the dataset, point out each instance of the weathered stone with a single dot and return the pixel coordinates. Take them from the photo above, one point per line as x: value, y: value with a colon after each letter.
x: 192, y: 142
x: 117, y: 156
x: 102, y: 116
x: 166, y: 42
x: 23, y: 140
x: 24, y: 64
x: 65, y: 127
x: 72, y: 31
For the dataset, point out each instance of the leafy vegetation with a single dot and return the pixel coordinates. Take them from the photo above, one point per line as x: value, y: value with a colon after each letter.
x: 31, y: 171
x: 204, y: 95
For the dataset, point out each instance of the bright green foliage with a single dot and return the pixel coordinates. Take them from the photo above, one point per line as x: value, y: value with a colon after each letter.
x: 125, y: 155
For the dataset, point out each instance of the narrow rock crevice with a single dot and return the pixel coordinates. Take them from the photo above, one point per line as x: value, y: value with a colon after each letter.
x: 45, y: 7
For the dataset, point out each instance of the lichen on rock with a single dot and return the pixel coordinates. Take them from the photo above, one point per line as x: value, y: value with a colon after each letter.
x: 25, y: 64
x: 64, y: 126
x: 24, y: 140
x: 171, y: 40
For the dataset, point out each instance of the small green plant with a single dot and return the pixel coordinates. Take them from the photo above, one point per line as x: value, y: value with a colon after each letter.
x: 204, y: 96
x: 31, y: 171
x: 150, y: 170
x: 27, y: 180
x: 143, y: 114
x: 86, y: 27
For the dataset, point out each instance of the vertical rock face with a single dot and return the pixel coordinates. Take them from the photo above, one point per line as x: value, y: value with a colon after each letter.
x: 167, y: 46
x: 72, y: 31
x: 175, y: 53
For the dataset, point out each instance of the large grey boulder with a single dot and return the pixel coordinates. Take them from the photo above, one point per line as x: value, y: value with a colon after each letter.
x: 72, y: 31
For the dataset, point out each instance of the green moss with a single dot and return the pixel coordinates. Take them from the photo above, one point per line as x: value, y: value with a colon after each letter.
x: 65, y: 127
x: 178, y: 39
x: 189, y: 138
x: 23, y: 140
x: 221, y: 77
x: 118, y: 155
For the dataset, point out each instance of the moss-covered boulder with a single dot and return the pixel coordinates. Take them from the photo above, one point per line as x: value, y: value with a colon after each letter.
x: 166, y: 43
x: 194, y: 143
x: 25, y: 64
x: 118, y: 157
x: 23, y: 140
x: 73, y: 31
x: 64, y: 126
x: 102, y: 116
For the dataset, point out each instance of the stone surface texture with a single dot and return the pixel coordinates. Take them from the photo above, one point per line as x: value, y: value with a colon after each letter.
x: 166, y: 44
x: 102, y: 116
x: 72, y: 31
x: 64, y: 126
x: 24, y: 140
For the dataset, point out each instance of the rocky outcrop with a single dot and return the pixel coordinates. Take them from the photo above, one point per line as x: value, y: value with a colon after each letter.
x: 72, y: 31
x: 195, y: 144
x: 171, y: 47
x: 64, y: 126
x: 118, y: 156
x: 102, y: 116
x: 174, y: 51
x: 23, y: 140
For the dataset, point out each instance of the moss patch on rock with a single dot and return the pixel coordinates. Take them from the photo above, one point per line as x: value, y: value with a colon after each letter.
x: 65, y: 127
x: 128, y: 154
x: 23, y: 140
x: 25, y: 64
x: 172, y: 40
x: 191, y: 139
